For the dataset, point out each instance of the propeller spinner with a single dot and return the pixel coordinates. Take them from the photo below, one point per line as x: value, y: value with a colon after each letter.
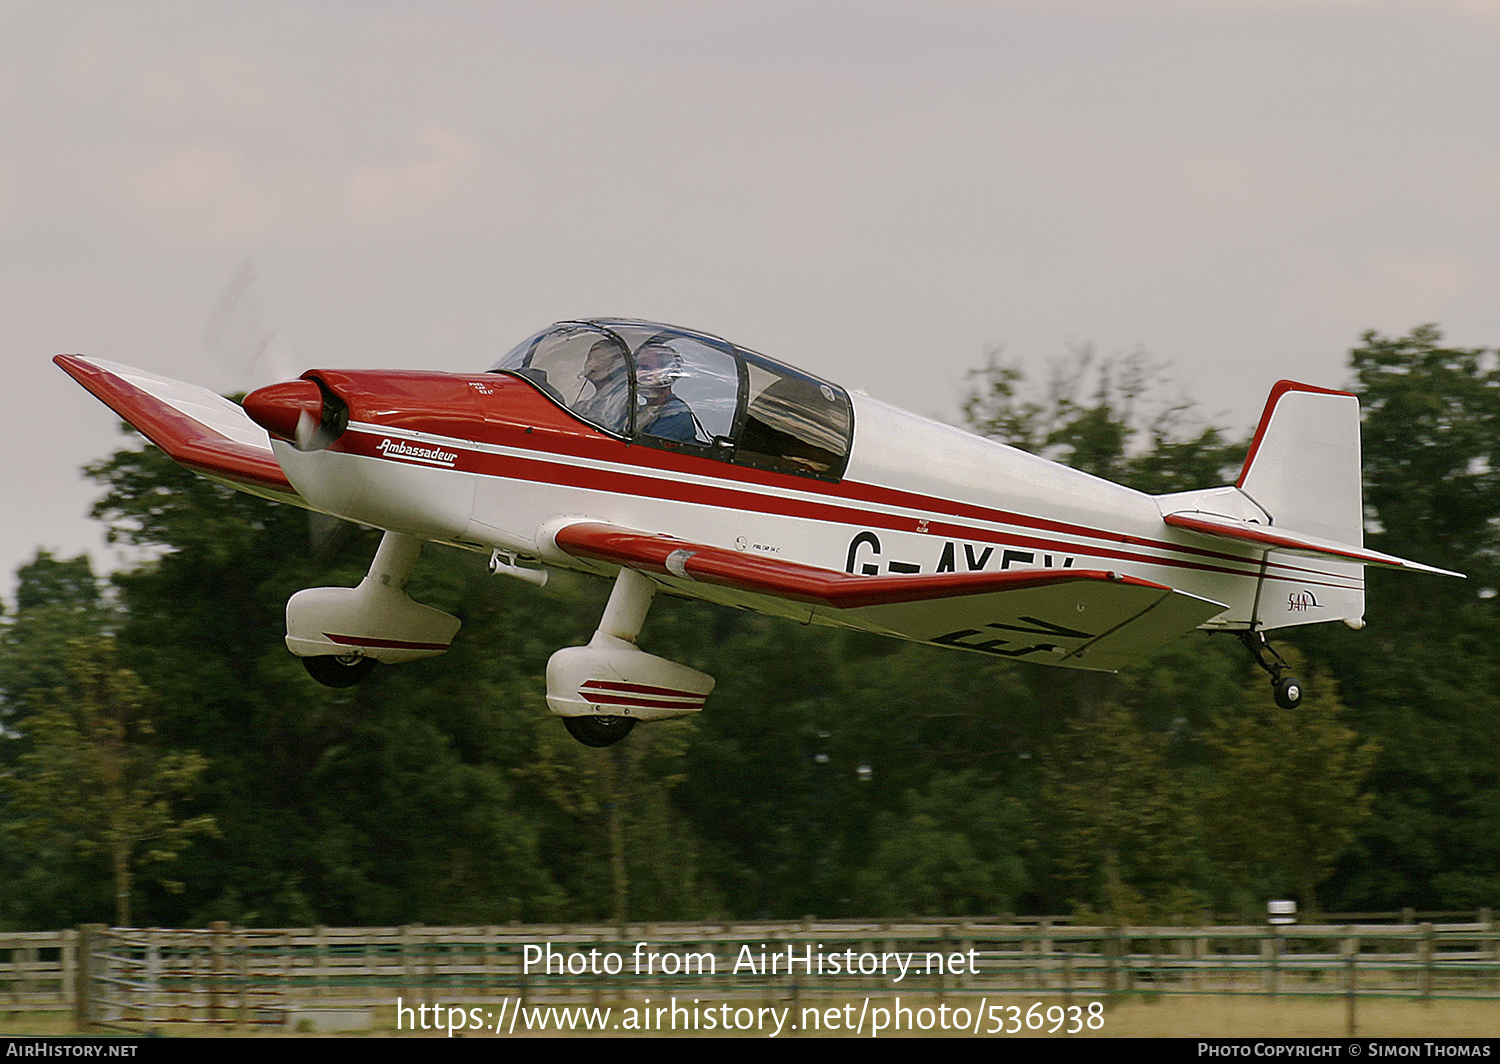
x: 302, y: 412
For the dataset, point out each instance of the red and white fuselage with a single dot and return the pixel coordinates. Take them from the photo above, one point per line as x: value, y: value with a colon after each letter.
x: 711, y: 471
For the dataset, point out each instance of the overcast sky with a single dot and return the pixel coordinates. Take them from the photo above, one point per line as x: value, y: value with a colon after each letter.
x: 875, y: 190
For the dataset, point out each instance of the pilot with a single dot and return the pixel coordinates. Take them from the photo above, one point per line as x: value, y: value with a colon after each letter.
x: 661, y: 413
x: 605, y: 370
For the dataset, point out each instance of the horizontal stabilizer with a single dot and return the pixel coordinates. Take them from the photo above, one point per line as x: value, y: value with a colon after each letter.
x: 194, y: 426
x: 1080, y: 618
x: 1279, y: 539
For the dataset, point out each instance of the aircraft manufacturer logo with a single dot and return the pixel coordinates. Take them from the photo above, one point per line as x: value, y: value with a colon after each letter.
x: 1300, y: 601
x: 415, y: 453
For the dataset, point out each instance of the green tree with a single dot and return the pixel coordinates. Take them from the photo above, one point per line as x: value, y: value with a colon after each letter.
x: 1112, y: 417
x: 1127, y: 839
x: 613, y: 809
x: 1432, y: 452
x: 47, y: 581
x: 1287, y: 794
x: 1423, y: 680
x: 94, y: 777
x: 956, y: 848
x: 57, y: 601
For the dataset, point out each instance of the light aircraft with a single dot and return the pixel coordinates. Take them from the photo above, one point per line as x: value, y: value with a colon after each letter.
x: 673, y: 460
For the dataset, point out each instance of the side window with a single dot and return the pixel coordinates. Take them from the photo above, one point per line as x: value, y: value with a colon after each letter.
x: 583, y: 367
x: 686, y: 391
x: 794, y: 423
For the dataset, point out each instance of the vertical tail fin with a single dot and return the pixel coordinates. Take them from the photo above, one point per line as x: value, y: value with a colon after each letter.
x: 1303, y: 469
x: 1299, y: 500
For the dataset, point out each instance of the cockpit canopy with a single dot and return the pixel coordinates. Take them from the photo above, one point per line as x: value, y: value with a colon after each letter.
x: 688, y: 391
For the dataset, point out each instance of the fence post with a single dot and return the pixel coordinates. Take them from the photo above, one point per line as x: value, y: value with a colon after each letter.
x: 83, y: 1011
x: 945, y: 937
x: 1044, y: 953
x: 412, y: 981
x: 1487, y: 918
x: 24, y: 961
x: 319, y: 959
x: 151, y: 976
x: 522, y: 982
x: 219, y: 929
x: 1270, y: 955
x: 1424, y: 951
x: 242, y: 978
x: 67, y: 958
x: 1350, y: 947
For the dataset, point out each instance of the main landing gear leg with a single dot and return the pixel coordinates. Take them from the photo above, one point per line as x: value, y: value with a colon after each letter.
x: 341, y: 632
x: 391, y: 568
x: 1286, y: 688
x: 602, y: 690
x: 623, y: 616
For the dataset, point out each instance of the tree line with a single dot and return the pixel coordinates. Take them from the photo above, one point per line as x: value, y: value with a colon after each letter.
x: 164, y: 760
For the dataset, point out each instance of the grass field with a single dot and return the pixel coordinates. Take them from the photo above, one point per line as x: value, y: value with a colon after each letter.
x: 1135, y: 1016
x: 1301, y: 1017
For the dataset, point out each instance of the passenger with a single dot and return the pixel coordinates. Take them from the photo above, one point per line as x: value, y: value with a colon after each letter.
x: 661, y: 414
x: 605, y: 370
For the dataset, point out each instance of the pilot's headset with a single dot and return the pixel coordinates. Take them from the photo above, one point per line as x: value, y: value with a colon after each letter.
x: 669, y: 369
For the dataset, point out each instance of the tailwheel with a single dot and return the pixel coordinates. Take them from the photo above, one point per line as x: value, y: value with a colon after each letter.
x: 344, y: 670
x: 1285, y: 688
x: 599, y: 731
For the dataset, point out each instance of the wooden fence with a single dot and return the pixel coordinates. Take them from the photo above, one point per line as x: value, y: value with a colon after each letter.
x: 135, y: 977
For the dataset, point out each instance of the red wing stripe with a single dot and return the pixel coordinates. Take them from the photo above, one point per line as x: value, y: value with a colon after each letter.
x: 185, y: 440
x: 606, y: 699
x: 387, y: 644
x: 639, y: 703
x: 638, y: 689
x: 804, y: 583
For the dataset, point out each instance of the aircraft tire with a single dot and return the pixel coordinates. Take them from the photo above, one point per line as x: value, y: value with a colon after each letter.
x: 598, y: 731
x: 1288, y: 692
x: 333, y: 671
